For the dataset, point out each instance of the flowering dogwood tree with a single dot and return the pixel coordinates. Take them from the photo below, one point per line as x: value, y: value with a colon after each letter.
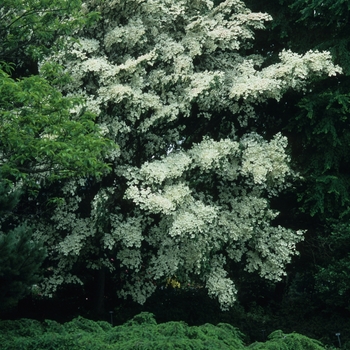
x: 175, y: 85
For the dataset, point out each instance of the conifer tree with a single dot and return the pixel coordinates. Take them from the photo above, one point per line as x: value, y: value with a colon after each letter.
x: 317, y: 124
x: 20, y: 256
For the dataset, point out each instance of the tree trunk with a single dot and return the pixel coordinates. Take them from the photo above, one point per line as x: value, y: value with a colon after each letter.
x: 99, y: 305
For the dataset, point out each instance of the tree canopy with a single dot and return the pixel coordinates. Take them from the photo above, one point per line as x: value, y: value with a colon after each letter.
x: 29, y: 30
x: 40, y: 138
x: 176, y: 85
x: 39, y: 134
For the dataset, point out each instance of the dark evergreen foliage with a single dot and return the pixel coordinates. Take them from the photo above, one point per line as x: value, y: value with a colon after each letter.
x: 20, y: 261
x: 141, y: 332
x: 318, y: 129
x: 20, y: 257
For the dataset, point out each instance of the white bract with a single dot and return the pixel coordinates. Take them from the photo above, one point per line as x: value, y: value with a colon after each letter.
x: 187, y: 196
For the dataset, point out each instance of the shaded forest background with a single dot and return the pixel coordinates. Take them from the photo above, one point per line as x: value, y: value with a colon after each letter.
x: 313, y: 299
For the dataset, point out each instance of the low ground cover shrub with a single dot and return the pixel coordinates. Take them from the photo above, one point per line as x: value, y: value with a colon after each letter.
x: 141, y: 332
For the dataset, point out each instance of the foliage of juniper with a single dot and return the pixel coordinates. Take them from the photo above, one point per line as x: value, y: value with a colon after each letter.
x: 141, y: 332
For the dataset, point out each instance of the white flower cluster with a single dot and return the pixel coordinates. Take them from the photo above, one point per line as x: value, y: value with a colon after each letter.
x: 219, y: 285
x: 195, y: 219
x: 271, y: 82
x: 164, y: 202
x: 128, y: 231
x: 130, y: 258
x: 209, y: 154
x: 85, y: 47
x: 172, y: 166
x: 129, y: 35
x: 274, y: 247
x: 265, y: 162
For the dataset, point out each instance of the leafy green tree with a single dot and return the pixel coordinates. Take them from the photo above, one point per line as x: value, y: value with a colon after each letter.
x: 31, y: 29
x: 42, y: 139
x: 177, y: 86
x: 40, y: 133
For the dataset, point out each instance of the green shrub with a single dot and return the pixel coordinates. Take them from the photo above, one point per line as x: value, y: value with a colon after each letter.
x: 21, y: 328
x: 293, y: 341
x: 53, y: 326
x: 83, y: 324
x: 140, y: 333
